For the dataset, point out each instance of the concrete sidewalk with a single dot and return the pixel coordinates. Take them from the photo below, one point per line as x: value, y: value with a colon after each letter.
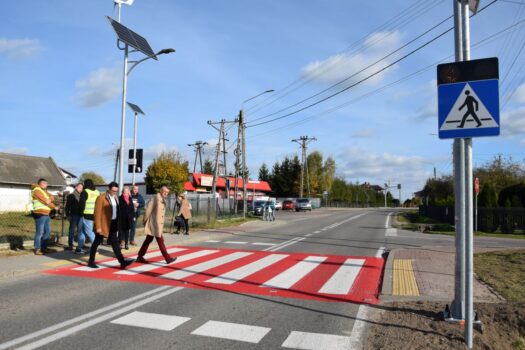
x: 427, y: 273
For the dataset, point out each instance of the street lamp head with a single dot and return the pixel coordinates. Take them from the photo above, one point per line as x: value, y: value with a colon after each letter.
x: 270, y: 90
x: 165, y: 51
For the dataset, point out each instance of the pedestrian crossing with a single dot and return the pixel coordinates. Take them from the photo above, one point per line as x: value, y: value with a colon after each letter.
x: 291, y: 275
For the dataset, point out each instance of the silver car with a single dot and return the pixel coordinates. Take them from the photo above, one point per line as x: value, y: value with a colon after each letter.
x: 303, y: 204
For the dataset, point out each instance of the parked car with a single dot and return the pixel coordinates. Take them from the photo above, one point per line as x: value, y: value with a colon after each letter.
x: 278, y: 205
x: 258, y: 207
x: 288, y: 205
x: 303, y: 204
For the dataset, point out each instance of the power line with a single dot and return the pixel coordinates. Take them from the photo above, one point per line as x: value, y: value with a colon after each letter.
x: 358, y: 72
x: 407, y: 77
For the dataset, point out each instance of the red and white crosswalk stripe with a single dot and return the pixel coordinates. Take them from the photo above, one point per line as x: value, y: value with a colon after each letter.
x: 293, y: 275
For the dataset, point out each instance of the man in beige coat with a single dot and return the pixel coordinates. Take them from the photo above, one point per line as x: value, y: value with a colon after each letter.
x: 154, y: 225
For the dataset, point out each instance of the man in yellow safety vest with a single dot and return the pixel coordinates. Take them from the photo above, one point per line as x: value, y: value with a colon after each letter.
x: 42, y: 206
x: 88, y: 198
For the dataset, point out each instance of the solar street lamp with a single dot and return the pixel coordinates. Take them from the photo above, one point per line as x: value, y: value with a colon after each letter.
x: 139, y: 44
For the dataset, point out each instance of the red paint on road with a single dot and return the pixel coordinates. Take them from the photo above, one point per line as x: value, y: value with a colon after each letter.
x: 365, y: 288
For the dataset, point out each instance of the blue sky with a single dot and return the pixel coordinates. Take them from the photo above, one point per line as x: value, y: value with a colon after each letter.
x: 61, y: 81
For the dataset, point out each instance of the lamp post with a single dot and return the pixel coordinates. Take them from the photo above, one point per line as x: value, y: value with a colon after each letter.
x: 242, y: 128
x: 124, y: 96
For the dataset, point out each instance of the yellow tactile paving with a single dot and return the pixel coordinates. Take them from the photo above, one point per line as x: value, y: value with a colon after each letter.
x: 404, y: 280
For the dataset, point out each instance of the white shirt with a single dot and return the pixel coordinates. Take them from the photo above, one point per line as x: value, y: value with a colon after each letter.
x: 114, y: 203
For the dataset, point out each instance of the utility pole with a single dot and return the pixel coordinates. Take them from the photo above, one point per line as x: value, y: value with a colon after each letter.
x: 237, y: 153
x: 303, y: 141
x: 117, y: 159
x: 221, y: 148
x: 198, y: 145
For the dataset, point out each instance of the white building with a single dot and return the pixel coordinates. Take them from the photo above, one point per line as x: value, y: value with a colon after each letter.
x: 18, y: 172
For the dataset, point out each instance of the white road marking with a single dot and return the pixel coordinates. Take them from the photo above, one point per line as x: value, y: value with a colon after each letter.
x: 212, y: 241
x: 151, y: 321
x: 247, y: 270
x: 232, y: 331
x: 195, y: 269
x: 153, y: 266
x: 265, y: 244
x: 316, y: 341
x: 235, y: 242
x: 77, y: 319
x: 115, y: 262
x: 92, y: 322
x: 291, y: 276
x: 317, y: 232
x: 356, y: 341
x: 342, y: 280
x: 390, y: 232
x: 308, y: 234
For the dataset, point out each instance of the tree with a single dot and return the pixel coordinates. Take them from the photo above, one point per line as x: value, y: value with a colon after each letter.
x: 168, y: 169
x: 488, y: 198
x: 208, y: 167
x: 96, y: 178
x: 264, y: 174
x: 329, y: 169
x: 512, y: 196
x: 500, y: 172
x: 315, y: 173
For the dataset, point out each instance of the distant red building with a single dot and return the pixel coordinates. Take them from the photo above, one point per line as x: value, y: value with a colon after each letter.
x: 204, y: 183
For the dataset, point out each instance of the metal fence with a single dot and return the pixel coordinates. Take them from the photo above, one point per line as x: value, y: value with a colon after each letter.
x: 504, y: 220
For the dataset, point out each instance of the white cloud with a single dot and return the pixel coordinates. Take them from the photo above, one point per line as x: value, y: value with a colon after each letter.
x: 519, y: 94
x: 18, y: 49
x: 343, y: 65
x: 377, y: 168
x: 365, y: 133
x: 99, y: 87
x: 513, y: 122
x: 15, y: 150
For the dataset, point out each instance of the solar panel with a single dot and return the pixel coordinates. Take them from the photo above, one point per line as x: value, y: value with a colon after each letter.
x: 131, y: 38
x: 135, y: 108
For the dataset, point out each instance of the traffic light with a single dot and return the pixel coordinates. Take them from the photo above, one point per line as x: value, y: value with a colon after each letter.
x: 138, y: 167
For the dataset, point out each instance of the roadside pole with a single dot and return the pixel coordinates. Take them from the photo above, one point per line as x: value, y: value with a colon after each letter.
x: 458, y: 305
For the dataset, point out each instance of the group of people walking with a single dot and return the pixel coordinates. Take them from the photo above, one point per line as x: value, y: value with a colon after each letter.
x: 99, y: 216
x: 80, y: 210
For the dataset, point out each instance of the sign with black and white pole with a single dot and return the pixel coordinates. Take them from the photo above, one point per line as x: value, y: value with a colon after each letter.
x: 468, y: 106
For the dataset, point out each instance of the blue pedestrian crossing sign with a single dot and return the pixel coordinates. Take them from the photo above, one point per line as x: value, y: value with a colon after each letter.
x: 468, y: 99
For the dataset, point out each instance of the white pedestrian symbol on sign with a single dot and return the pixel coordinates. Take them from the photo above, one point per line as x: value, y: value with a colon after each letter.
x: 468, y: 112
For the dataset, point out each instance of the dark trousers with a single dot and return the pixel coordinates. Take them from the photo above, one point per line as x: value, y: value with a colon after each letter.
x: 133, y: 229
x: 160, y: 242
x: 186, y: 224
x: 112, y: 239
x: 123, y: 236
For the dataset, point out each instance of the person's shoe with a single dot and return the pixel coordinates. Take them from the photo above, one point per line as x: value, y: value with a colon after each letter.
x: 141, y: 260
x: 80, y: 251
x: 170, y: 260
x: 92, y: 265
x: 126, y: 247
x: 69, y: 248
x: 133, y: 243
x: 177, y: 232
x: 126, y: 263
x: 186, y: 233
x: 47, y: 250
x: 39, y: 252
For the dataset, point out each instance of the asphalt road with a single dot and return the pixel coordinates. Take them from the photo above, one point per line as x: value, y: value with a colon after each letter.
x: 63, y: 312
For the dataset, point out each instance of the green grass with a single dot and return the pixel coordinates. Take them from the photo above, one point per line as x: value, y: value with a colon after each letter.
x: 504, y: 271
x: 18, y: 226
x: 411, y: 220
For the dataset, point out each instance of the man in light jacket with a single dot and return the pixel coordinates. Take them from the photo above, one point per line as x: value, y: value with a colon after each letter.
x: 185, y: 212
x: 107, y: 225
x: 154, y: 225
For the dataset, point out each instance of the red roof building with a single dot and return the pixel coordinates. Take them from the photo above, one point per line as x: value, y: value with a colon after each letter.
x: 204, y: 183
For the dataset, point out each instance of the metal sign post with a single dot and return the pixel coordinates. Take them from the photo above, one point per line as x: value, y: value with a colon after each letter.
x: 468, y: 101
